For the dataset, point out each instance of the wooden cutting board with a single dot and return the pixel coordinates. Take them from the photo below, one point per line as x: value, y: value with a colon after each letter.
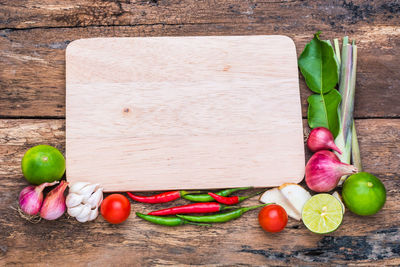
x: 159, y: 113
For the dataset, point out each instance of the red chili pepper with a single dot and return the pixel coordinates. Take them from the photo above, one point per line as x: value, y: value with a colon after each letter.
x: 230, y: 200
x: 225, y: 200
x: 205, y: 207
x: 160, y: 198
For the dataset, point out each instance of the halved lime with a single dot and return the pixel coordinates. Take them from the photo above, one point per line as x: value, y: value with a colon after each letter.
x: 322, y: 214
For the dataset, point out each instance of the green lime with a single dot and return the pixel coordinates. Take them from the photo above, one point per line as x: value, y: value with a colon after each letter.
x: 363, y: 193
x: 42, y: 164
x: 322, y: 214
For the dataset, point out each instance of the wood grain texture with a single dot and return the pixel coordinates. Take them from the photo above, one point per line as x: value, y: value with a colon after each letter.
x: 32, y: 59
x: 214, y: 112
x: 33, y: 38
x: 22, y: 14
x: 360, y: 240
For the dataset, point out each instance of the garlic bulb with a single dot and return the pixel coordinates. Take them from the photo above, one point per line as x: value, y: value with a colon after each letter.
x: 83, y: 201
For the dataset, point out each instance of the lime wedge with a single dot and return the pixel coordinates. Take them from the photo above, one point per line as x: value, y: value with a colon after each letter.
x: 322, y: 214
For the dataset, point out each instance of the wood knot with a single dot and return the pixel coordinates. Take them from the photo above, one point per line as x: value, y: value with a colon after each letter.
x: 227, y: 67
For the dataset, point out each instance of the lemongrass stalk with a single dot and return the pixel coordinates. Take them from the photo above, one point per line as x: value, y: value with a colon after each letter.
x: 336, y: 53
x: 344, y: 88
x: 355, y: 150
x: 337, y: 49
x: 347, y: 137
x: 347, y: 91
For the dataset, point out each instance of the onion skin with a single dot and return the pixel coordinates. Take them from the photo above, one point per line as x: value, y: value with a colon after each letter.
x: 30, y: 200
x: 54, y: 204
x: 324, y: 170
x: 330, y: 155
x: 321, y: 138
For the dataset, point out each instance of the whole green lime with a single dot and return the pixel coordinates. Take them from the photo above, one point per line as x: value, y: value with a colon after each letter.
x: 42, y: 164
x: 363, y: 193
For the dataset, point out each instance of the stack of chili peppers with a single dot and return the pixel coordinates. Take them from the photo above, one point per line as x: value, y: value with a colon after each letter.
x: 205, y: 203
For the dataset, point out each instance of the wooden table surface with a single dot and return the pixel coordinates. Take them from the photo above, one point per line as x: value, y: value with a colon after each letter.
x: 33, y: 38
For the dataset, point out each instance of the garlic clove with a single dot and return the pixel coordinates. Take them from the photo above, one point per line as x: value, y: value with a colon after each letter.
x: 73, y: 200
x: 93, y: 214
x: 84, y: 216
x: 76, y: 187
x: 87, y: 191
x: 98, y: 187
x: 75, y: 211
x: 85, y: 211
x: 82, y: 219
x: 96, y: 198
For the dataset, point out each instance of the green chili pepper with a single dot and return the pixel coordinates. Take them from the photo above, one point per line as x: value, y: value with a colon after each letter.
x: 208, y: 198
x: 167, y: 221
x: 220, y: 218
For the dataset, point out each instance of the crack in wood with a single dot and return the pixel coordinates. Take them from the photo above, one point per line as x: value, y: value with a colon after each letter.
x: 379, y: 245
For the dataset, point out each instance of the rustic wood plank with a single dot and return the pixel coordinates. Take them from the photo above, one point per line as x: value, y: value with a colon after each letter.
x: 32, y: 63
x: 32, y: 84
x: 287, y: 13
x: 363, y: 240
x: 198, y: 18
x: 380, y: 149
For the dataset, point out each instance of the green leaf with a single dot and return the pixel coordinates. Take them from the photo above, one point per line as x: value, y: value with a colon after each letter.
x: 323, y: 111
x: 319, y: 66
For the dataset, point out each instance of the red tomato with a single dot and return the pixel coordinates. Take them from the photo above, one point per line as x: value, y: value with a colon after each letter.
x: 273, y: 218
x: 115, y: 208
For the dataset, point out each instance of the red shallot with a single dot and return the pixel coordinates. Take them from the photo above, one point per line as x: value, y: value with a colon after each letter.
x: 31, y: 198
x: 324, y: 170
x: 321, y: 138
x: 54, y: 203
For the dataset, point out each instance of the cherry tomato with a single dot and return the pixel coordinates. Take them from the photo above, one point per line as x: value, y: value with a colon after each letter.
x: 115, y: 208
x: 273, y: 218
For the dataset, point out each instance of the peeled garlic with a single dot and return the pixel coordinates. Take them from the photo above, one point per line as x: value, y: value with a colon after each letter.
x: 84, y: 200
